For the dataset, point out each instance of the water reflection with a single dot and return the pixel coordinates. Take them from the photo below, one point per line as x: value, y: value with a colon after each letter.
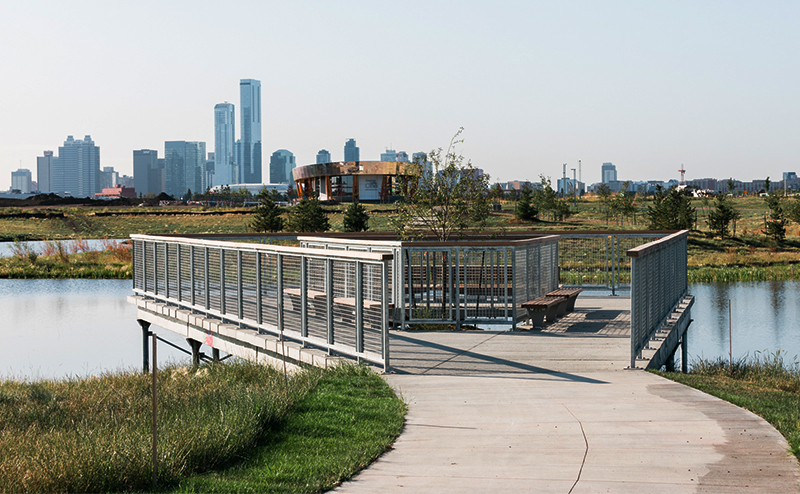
x: 57, y: 328
x: 764, y: 317
x: 7, y: 248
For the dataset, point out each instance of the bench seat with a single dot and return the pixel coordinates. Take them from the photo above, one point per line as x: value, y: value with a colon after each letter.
x: 571, y: 294
x: 541, y: 308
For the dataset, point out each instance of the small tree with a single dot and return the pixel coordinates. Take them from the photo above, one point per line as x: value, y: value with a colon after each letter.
x: 356, y: 218
x: 767, y: 184
x: 308, y: 216
x: 526, y: 211
x: 445, y: 198
x: 776, y: 224
x: 671, y: 210
x: 720, y: 219
x: 497, y: 192
x: 268, y: 214
x: 731, y: 185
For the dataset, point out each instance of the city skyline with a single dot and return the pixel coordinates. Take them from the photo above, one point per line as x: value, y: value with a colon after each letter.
x: 648, y: 87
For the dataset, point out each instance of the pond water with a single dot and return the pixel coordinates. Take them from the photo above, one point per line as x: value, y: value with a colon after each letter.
x: 765, y: 317
x: 7, y: 248
x: 58, y: 328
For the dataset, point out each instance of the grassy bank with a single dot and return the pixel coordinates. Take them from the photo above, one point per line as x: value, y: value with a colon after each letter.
x: 245, y: 423
x: 768, y: 386
x: 74, y: 261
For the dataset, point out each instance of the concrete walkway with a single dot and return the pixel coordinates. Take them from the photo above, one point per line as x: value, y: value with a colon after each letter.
x: 555, y: 411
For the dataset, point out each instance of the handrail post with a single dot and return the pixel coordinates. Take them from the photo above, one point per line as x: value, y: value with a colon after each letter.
x: 259, y: 306
x: 385, y: 314
x: 329, y: 298
x: 359, y: 293
x: 240, y: 308
x: 304, y: 296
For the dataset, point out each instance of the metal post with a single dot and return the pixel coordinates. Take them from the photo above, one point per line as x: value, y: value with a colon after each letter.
x: 514, y: 289
x: 155, y: 412
x: 304, y: 296
x: 360, y: 306
x: 145, y: 334
x: 634, y: 311
x: 279, y: 295
x: 329, y: 298
x: 685, y: 351
x: 222, y: 307
x: 179, y: 278
x: 205, y: 279
x: 192, y: 281
x: 240, y: 308
x: 144, y: 266
x: 166, y: 270
x: 385, y: 313
x: 155, y: 268
x: 259, y: 308
x: 613, y: 264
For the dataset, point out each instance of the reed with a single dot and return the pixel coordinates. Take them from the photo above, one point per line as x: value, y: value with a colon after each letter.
x: 776, y: 272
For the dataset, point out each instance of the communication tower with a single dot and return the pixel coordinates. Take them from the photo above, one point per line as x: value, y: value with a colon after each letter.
x: 683, y: 172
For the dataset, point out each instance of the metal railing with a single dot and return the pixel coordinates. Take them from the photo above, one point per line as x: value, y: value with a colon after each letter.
x: 598, y: 259
x: 659, y: 283
x: 461, y: 282
x: 336, y: 301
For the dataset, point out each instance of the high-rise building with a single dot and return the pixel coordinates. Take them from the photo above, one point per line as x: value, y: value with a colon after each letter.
x: 107, y: 178
x: 225, y: 170
x: 389, y: 155
x: 402, y: 157
x: 250, y: 107
x: 281, y: 164
x: 77, y: 168
x: 21, y: 180
x: 351, y: 152
x: 323, y: 156
x: 44, y: 171
x: 148, y: 172
x: 609, y: 173
x: 184, y: 162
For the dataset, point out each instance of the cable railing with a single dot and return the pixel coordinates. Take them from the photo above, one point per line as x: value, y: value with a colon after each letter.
x: 333, y: 300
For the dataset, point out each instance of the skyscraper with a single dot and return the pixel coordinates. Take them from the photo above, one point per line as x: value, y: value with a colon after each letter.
x: 351, y: 151
x: 323, y: 156
x: 281, y: 164
x: 184, y: 162
x: 389, y: 155
x: 250, y: 105
x: 44, y: 171
x: 21, y: 180
x: 148, y: 176
x: 225, y: 170
x: 77, y: 168
x: 609, y: 173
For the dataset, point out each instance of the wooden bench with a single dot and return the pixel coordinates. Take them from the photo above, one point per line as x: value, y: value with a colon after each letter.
x: 571, y: 295
x: 541, y: 308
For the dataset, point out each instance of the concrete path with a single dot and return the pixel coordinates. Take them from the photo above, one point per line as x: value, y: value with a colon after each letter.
x: 554, y: 411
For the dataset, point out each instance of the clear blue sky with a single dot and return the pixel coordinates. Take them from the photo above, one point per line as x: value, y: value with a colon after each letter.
x: 713, y: 85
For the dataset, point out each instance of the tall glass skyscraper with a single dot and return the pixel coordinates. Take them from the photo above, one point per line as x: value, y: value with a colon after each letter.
x: 183, y: 167
x: 281, y: 164
x: 225, y: 169
x: 351, y: 151
x: 77, y: 167
x: 323, y: 156
x: 250, y: 107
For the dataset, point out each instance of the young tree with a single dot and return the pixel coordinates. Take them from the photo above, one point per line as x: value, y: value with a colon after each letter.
x: 307, y: 216
x: 720, y: 219
x: 445, y: 198
x: 356, y: 218
x: 526, y: 211
x: 268, y: 214
x: 731, y: 185
x: 671, y: 210
x: 766, y: 185
x: 776, y: 224
x: 497, y: 192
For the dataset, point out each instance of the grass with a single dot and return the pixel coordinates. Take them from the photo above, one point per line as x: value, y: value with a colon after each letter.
x: 766, y: 384
x: 237, y: 427
x: 73, y: 261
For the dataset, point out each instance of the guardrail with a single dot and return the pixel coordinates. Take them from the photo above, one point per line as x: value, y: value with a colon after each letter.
x: 334, y: 300
x: 659, y: 283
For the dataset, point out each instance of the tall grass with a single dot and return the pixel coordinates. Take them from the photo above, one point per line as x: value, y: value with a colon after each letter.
x: 773, y: 370
x: 778, y: 272
x: 93, y: 435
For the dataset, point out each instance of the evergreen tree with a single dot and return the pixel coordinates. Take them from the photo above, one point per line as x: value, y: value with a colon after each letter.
x: 526, y: 211
x: 307, y: 216
x: 356, y: 218
x: 671, y: 210
x: 720, y: 218
x: 776, y: 224
x: 268, y: 213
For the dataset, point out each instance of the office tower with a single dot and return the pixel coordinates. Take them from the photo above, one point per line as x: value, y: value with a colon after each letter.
x: 402, y: 157
x: 389, y: 155
x: 184, y: 162
x: 323, y: 156
x: 208, y: 171
x: 351, y: 151
x: 148, y: 172
x: 609, y: 173
x: 250, y: 106
x: 77, y: 168
x: 281, y: 164
x: 44, y: 171
x: 21, y: 180
x: 107, y: 178
x: 225, y: 170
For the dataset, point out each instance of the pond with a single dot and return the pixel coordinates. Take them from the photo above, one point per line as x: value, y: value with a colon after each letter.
x: 7, y: 248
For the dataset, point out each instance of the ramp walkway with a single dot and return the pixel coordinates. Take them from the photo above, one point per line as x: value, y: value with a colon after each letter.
x: 556, y: 411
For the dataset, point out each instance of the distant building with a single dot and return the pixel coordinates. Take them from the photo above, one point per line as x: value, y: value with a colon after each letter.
x: 116, y: 192
x: 44, y: 171
x: 567, y: 186
x: 107, y: 178
x: 184, y: 163
x: 209, y: 171
x: 281, y: 164
x: 148, y: 172
x: 609, y: 173
x: 77, y: 167
x: 402, y: 157
x: 250, y: 143
x: 389, y: 155
x: 351, y: 151
x: 127, y: 181
x: 21, y: 180
x: 323, y: 156
x: 225, y: 168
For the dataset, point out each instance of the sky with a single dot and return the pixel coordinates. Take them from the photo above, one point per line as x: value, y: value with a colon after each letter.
x: 713, y: 86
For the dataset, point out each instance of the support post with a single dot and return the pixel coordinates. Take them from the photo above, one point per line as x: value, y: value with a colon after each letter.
x: 215, y: 354
x: 685, y: 352
x: 195, y: 345
x: 145, y: 334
